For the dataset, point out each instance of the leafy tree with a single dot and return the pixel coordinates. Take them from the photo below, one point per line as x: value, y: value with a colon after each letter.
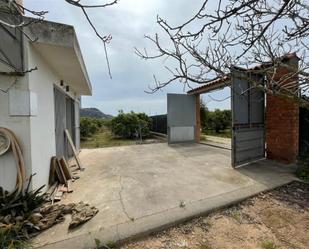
x: 89, y: 126
x: 129, y: 125
x: 216, y: 120
x: 220, y: 120
x: 203, y: 113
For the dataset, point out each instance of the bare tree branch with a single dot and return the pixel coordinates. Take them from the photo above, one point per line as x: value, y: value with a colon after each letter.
x: 237, y: 32
x: 104, y: 38
x: 14, y: 8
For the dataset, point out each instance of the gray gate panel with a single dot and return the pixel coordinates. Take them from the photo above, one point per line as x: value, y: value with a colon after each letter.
x: 70, y: 125
x: 181, y: 108
x: 247, y: 134
x: 181, y: 118
x: 248, y: 105
x: 77, y: 125
x: 60, y: 121
x: 240, y: 99
x: 257, y: 103
x: 251, y: 147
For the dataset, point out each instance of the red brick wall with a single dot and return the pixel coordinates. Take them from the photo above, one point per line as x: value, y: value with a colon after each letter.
x: 282, y: 129
x: 282, y: 124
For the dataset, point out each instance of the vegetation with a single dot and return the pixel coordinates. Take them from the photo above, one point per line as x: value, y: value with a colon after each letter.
x: 303, y: 168
x: 121, y: 130
x: 90, y: 126
x: 217, y: 122
x: 16, y: 217
x: 224, y: 133
x: 131, y: 125
x: 104, y: 138
x: 268, y: 245
x: 10, y: 238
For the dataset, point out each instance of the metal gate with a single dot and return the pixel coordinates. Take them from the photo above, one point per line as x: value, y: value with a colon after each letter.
x: 60, y: 120
x: 181, y: 118
x: 64, y: 119
x: 70, y: 124
x: 248, y: 105
x: 77, y: 124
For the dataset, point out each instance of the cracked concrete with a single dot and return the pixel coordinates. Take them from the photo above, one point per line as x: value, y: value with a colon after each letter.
x: 138, y: 189
x: 121, y: 200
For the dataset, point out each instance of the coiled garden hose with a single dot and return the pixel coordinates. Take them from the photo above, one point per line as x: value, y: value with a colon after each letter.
x: 14, y: 145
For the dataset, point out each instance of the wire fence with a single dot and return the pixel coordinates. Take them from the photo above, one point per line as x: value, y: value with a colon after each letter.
x: 159, y: 123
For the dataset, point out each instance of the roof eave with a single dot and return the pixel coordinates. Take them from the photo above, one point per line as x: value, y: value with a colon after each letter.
x: 62, y: 40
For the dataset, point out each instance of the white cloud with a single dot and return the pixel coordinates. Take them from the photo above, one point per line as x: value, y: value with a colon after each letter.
x: 128, y: 21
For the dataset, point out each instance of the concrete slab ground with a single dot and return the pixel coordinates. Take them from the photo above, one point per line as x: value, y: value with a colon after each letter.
x: 220, y: 142
x: 142, y: 188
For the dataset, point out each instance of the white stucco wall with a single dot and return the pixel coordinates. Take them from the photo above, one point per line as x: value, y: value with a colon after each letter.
x: 19, y: 125
x: 42, y: 126
x: 36, y: 133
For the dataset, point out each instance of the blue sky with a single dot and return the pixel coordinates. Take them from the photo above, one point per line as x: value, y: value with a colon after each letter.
x: 127, y: 22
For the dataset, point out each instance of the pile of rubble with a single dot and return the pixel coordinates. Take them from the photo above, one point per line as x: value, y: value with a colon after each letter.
x: 45, y: 217
x: 28, y: 213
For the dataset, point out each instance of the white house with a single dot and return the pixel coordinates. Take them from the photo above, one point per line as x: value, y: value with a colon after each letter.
x: 39, y: 105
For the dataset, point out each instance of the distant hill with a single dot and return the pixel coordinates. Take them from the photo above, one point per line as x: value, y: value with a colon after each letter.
x: 94, y: 113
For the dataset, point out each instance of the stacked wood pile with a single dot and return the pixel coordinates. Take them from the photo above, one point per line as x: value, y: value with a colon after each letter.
x: 60, y: 178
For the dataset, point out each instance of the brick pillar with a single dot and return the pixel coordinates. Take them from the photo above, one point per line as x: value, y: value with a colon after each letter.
x: 282, y: 126
x: 198, y: 118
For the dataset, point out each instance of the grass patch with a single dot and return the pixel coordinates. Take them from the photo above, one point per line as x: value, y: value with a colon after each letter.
x: 11, y: 237
x: 267, y: 244
x: 236, y: 215
x: 104, y: 138
x: 225, y: 133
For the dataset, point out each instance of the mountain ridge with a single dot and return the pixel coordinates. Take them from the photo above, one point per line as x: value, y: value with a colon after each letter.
x: 93, y: 112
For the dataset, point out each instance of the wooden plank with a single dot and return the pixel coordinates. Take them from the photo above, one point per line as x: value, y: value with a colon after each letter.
x: 70, y: 190
x: 63, y: 188
x: 63, y: 178
x: 52, y: 171
x: 65, y: 168
x: 59, y: 173
x: 58, y: 196
x: 79, y: 164
x: 52, y: 191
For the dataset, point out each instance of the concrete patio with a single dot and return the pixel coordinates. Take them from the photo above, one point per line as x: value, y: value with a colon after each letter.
x: 140, y: 189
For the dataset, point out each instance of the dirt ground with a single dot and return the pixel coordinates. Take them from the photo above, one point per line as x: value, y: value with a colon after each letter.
x: 278, y: 219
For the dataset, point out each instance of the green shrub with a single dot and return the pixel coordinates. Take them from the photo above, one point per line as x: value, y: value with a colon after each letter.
x: 89, y: 126
x: 267, y: 244
x: 14, y: 234
x: 129, y: 125
x: 217, y: 120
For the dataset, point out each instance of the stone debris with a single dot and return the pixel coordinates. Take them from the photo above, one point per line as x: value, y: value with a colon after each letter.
x: 49, y: 215
x: 81, y: 213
